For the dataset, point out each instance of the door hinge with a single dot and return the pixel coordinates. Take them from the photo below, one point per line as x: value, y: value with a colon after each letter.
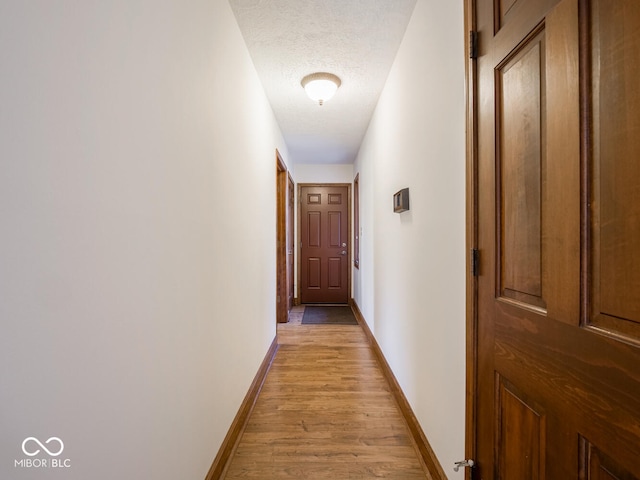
x: 475, y: 262
x: 473, y: 44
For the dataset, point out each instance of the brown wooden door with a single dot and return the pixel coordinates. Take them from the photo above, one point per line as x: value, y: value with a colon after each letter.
x: 558, y: 232
x: 324, y: 257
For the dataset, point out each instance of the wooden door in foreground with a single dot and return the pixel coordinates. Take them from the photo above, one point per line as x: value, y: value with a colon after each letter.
x: 324, y: 236
x: 558, y: 332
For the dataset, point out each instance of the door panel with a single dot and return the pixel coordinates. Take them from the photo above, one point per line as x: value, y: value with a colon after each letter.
x: 504, y: 7
x: 313, y: 273
x: 335, y: 233
x: 558, y: 222
x: 324, y: 225
x: 616, y: 150
x: 519, y: 89
x: 335, y: 273
x: 594, y: 465
x: 520, y: 435
x: 313, y: 229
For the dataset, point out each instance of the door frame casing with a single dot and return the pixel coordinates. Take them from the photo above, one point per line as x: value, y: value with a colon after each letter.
x: 471, y: 220
x: 298, y: 248
x: 282, y: 296
x: 291, y: 240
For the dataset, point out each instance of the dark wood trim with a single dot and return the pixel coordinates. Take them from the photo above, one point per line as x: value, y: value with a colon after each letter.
x: 231, y: 441
x: 291, y: 242
x: 427, y: 455
x: 282, y: 297
x: 356, y: 221
x: 471, y: 234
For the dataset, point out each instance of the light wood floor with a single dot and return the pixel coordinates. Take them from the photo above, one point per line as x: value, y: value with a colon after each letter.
x: 325, y: 412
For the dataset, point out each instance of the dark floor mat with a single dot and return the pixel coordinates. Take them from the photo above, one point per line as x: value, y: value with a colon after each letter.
x: 342, y: 315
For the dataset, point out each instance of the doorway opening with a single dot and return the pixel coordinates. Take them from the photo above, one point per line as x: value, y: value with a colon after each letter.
x: 282, y: 285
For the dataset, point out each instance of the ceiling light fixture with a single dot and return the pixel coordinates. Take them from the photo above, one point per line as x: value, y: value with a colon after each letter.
x: 320, y: 86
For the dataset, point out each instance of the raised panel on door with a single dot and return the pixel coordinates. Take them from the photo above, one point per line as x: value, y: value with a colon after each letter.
x: 520, y: 439
x: 334, y: 225
x: 314, y: 229
x: 503, y: 7
x: 335, y: 198
x: 314, y: 273
x: 335, y: 273
x: 519, y: 132
x: 594, y: 465
x: 558, y: 219
x: 615, y: 68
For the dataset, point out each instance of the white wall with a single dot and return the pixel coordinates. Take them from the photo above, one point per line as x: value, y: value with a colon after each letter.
x: 305, y: 173
x: 137, y: 188
x: 415, y: 298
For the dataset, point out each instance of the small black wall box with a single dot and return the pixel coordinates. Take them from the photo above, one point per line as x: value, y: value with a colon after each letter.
x: 401, y: 201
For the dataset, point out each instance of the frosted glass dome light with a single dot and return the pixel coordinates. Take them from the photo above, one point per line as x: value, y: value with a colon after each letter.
x: 320, y: 86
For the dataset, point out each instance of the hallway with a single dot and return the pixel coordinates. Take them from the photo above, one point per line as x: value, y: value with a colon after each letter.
x: 138, y: 286
x: 325, y: 412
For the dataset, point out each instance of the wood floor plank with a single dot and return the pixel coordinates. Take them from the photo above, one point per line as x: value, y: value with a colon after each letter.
x: 325, y: 411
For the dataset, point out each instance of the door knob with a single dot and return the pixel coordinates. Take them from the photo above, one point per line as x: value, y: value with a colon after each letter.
x: 343, y: 252
x: 464, y: 463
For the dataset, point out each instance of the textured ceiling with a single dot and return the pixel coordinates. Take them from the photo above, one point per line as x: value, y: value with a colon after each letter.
x: 354, y: 39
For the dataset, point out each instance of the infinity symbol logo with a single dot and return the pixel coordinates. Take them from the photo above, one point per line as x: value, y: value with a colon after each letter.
x: 34, y: 439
